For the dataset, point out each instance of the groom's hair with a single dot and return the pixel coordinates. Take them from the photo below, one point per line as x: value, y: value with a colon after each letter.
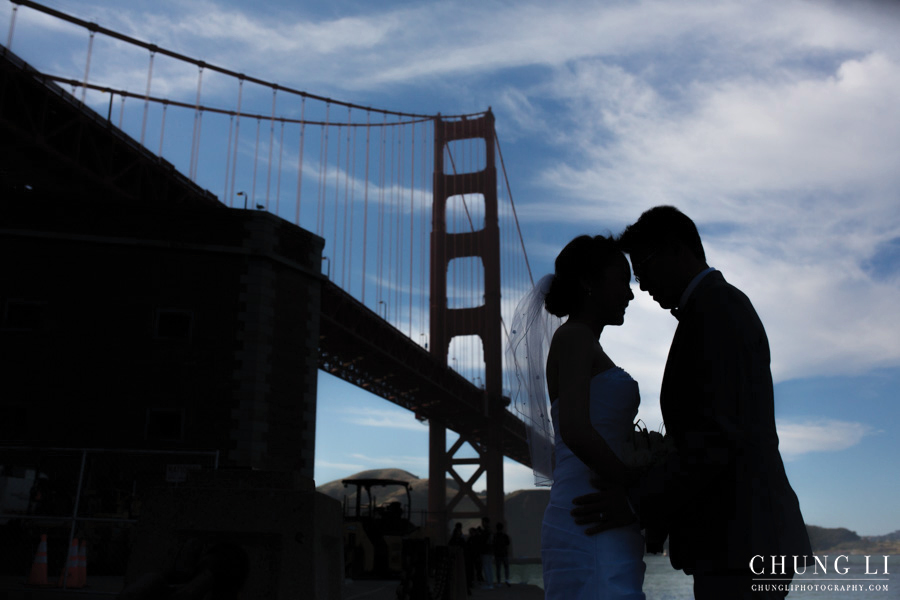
x: 659, y: 227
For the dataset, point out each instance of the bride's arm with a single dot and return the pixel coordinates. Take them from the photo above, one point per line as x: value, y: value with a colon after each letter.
x: 574, y: 353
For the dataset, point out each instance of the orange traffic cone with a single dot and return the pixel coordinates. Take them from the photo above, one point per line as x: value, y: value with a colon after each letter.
x: 38, y: 575
x: 69, y: 576
x: 82, y: 564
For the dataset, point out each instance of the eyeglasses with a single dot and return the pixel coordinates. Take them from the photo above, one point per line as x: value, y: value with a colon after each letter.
x: 640, y: 266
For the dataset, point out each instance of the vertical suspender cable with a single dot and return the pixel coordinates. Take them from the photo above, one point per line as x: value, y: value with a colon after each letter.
x: 147, y: 95
x: 381, y: 182
x: 323, y: 172
x: 12, y: 27
x: 398, y: 293
x: 347, y: 200
x: 365, y: 250
x: 423, y: 227
x: 300, y: 159
x: 198, y: 123
x: 398, y: 202
x: 354, y: 187
x: 412, y: 216
x: 199, y: 138
x: 280, y: 156
x: 255, y: 162
x: 162, y: 131
x: 87, y: 65
x: 337, y: 202
x: 227, y: 156
x: 271, y: 142
x: 121, y: 112
x: 390, y: 220
x: 237, y: 131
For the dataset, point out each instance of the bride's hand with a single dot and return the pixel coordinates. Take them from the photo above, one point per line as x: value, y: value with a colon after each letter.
x: 606, y: 509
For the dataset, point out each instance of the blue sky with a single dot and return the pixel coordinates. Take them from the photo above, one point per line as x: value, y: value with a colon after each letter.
x: 774, y: 125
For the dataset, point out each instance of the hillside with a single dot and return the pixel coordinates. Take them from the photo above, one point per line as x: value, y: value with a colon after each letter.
x: 839, y: 539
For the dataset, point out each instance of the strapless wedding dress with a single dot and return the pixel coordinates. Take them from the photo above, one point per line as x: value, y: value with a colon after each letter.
x: 609, y: 565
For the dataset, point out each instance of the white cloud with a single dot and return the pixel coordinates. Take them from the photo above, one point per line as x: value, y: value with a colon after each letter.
x: 792, y: 179
x: 517, y: 477
x: 824, y: 435
x: 774, y: 125
x: 384, y: 417
x: 409, y: 463
x: 340, y: 466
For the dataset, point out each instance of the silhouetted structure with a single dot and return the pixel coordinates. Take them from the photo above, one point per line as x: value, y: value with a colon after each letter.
x: 138, y: 312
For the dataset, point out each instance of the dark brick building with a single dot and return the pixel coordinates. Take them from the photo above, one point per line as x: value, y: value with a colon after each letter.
x: 137, y: 311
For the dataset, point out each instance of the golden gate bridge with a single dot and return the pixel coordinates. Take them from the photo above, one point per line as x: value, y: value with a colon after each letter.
x: 424, y: 257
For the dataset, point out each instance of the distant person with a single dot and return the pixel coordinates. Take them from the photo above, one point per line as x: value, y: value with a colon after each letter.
x: 581, y: 432
x: 487, y: 552
x: 477, y: 539
x: 724, y: 495
x: 473, y: 558
x: 501, y: 553
x: 457, y: 538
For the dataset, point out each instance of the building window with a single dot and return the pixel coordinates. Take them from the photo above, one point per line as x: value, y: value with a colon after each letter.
x: 173, y: 324
x: 165, y: 424
x: 24, y: 315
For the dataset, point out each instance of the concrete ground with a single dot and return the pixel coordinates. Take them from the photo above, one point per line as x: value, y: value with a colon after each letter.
x: 386, y: 590
x: 98, y: 588
x: 106, y: 588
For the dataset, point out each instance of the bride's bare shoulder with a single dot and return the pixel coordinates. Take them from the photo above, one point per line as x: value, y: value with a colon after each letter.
x: 573, y: 332
x: 572, y: 339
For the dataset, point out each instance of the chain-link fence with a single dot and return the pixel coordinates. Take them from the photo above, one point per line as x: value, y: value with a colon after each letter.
x: 93, y: 495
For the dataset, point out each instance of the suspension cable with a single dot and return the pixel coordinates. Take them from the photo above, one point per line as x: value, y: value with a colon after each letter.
x: 513, y: 205
x: 120, y: 36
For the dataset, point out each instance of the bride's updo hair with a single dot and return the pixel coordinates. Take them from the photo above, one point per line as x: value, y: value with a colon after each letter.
x: 581, y: 259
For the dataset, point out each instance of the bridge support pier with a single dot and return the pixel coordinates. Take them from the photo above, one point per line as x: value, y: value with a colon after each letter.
x: 483, y: 321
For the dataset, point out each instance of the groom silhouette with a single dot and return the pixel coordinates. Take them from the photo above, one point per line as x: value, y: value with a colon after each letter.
x: 723, y: 496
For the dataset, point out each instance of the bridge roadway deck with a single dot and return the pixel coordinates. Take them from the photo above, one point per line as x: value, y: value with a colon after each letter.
x: 356, y: 344
x: 360, y: 347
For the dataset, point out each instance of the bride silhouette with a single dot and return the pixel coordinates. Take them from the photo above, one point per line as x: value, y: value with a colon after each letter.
x: 583, y: 433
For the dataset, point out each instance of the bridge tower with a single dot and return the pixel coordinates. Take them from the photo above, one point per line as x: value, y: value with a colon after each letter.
x: 483, y: 321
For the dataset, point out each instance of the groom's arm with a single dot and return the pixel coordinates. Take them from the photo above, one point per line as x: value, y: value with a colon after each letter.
x: 607, y: 508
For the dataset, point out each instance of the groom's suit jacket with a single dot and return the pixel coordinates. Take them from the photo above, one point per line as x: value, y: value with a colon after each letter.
x: 728, y: 498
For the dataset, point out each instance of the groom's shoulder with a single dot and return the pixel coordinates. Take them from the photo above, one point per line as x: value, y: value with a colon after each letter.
x: 722, y: 298
x: 715, y: 287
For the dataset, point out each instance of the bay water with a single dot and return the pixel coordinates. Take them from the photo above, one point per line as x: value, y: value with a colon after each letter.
x: 662, y: 582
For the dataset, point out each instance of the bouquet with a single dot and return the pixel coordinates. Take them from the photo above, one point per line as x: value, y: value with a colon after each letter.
x: 645, y: 448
